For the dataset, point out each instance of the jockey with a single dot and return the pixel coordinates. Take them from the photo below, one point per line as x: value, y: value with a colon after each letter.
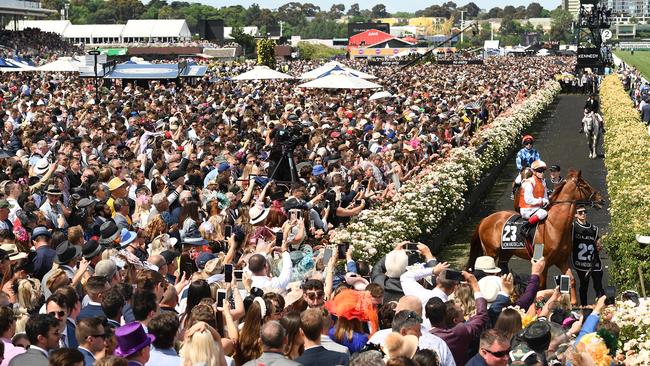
x: 534, y: 195
x: 525, y: 157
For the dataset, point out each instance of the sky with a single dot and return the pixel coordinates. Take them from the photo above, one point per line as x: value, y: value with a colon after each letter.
x: 391, y: 5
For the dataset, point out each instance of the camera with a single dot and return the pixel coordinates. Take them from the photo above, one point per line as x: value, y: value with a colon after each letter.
x: 290, y: 137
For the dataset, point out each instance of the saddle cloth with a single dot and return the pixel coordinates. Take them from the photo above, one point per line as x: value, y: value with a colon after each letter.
x: 512, y: 236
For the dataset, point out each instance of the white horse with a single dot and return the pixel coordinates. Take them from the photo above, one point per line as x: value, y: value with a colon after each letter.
x: 591, y: 125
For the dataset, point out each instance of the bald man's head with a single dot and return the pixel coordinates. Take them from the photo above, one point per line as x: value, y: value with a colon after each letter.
x: 409, y: 303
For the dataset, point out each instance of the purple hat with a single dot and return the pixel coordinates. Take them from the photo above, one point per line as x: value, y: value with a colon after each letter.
x: 131, y: 338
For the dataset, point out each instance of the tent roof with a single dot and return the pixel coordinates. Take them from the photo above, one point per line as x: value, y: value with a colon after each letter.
x: 62, y: 64
x: 93, y: 30
x: 54, y: 26
x: 144, y: 28
x: 339, y: 80
x: 262, y: 73
x: 371, y: 36
x: 319, y: 71
x: 248, y: 30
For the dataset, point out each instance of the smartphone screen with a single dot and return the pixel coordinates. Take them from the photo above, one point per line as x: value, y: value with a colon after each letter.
x: 239, y: 274
x: 564, y: 284
x: 538, y: 252
x: 298, y: 215
x: 227, y: 270
x: 342, y: 248
x: 327, y: 255
x: 221, y: 297
x: 228, y: 231
x: 454, y: 275
x: 278, y: 238
x: 413, y: 247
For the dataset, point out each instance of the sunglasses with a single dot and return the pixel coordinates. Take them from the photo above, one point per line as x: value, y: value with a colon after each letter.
x: 497, y: 354
x: 57, y: 314
x: 540, y: 170
x: 315, y: 295
x: 581, y: 212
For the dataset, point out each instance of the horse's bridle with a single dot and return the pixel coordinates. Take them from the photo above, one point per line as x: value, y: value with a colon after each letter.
x: 589, y: 201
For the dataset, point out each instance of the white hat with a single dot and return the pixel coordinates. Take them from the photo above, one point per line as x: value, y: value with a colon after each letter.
x: 396, y: 262
x: 359, y: 283
x: 258, y: 213
x: 486, y: 264
x: 490, y: 287
x: 41, y: 167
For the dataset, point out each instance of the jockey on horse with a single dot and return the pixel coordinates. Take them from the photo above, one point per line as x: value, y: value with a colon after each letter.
x: 533, y: 196
x: 525, y: 157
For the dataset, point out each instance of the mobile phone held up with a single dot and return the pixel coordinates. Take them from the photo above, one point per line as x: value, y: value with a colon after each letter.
x: 538, y: 252
x: 565, y: 283
x: 227, y: 269
x: 342, y: 249
x: 453, y: 275
x: 327, y: 254
x: 221, y: 298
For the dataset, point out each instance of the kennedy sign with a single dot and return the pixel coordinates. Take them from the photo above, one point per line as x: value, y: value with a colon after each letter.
x: 588, y: 57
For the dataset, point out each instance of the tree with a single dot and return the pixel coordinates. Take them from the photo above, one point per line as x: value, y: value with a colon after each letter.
x: 471, y: 10
x: 495, y: 12
x: 243, y: 39
x: 509, y: 26
x: 534, y: 10
x: 354, y: 10
x: 509, y: 10
x: 561, y: 25
x: 379, y: 11
x: 266, y: 52
x: 336, y: 11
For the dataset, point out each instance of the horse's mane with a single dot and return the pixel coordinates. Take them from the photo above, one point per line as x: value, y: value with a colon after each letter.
x: 572, y: 173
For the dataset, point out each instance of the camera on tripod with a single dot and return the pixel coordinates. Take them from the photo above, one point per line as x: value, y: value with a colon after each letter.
x: 285, y: 141
x: 290, y: 137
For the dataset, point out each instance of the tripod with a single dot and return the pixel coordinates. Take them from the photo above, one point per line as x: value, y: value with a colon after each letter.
x: 285, y: 167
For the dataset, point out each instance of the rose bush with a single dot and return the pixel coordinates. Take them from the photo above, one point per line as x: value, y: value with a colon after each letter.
x: 634, y: 336
x: 627, y: 159
x: 440, y: 191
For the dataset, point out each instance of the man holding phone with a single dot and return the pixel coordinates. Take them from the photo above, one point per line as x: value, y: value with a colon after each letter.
x: 585, y: 255
x: 444, y: 286
x: 261, y: 269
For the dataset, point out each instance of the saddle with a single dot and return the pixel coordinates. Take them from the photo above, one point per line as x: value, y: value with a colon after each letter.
x: 515, y: 234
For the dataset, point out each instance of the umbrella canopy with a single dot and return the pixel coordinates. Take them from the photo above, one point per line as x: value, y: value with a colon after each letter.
x: 9, y: 65
x: 319, y: 71
x: 381, y: 95
x: 262, y: 73
x: 63, y: 64
x: 340, y: 80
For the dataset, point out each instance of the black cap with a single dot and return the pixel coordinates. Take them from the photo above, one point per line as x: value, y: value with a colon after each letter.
x: 66, y: 252
x: 169, y: 255
x: 538, y: 335
x: 91, y: 249
x: 554, y: 168
x: 175, y: 174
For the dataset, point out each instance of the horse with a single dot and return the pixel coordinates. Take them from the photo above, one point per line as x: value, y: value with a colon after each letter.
x: 555, y: 232
x: 591, y: 128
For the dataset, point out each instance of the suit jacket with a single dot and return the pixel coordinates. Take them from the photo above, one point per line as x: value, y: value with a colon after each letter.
x: 121, y: 221
x: 272, y: 359
x: 320, y: 356
x: 31, y: 357
x: 70, y: 334
x: 89, y: 358
x: 89, y: 311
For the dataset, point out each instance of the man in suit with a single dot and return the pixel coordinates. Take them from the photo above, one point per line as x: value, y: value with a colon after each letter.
x: 274, y: 339
x: 121, y: 216
x: 57, y: 306
x: 67, y: 257
x: 311, y: 323
x: 96, y: 287
x: 91, y: 336
x: 43, y: 334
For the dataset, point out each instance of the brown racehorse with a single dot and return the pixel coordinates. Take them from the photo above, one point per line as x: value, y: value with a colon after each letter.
x: 554, y: 232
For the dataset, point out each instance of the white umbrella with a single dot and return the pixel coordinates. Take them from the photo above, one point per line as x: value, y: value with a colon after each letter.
x: 380, y: 95
x: 262, y: 73
x: 63, y: 64
x: 20, y: 66
x: 332, y: 65
x: 340, y: 80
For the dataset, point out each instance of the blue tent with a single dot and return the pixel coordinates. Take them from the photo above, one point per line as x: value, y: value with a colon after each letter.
x: 4, y: 63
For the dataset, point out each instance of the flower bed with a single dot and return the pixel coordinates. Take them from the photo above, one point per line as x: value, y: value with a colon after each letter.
x: 440, y: 191
x: 634, y: 338
x: 627, y: 159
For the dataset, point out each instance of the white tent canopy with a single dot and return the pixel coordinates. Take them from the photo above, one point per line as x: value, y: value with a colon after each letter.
x: 63, y: 64
x: 262, y: 73
x: 340, y: 80
x: 319, y: 71
x: 381, y: 95
x: 156, y: 28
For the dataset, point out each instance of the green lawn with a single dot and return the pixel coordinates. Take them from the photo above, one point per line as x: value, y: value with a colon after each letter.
x: 640, y: 60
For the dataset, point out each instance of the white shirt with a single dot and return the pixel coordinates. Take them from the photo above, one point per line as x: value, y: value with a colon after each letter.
x: 410, y: 286
x: 280, y: 282
x: 426, y: 340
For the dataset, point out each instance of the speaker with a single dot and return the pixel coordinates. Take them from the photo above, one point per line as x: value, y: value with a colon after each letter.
x: 211, y: 30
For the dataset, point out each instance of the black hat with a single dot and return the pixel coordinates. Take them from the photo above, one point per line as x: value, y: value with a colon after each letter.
x: 84, y: 202
x: 91, y: 249
x: 538, y: 335
x: 175, y: 174
x: 169, y: 255
x: 193, y: 237
x: 66, y: 251
x: 554, y: 168
x: 109, y: 232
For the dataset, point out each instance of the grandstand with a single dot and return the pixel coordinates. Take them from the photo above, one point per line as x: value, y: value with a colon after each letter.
x: 13, y: 9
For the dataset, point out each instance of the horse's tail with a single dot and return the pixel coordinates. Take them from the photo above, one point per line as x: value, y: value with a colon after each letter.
x: 475, y: 249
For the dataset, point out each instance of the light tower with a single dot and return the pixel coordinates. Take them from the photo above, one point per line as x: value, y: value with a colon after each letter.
x: 591, y: 33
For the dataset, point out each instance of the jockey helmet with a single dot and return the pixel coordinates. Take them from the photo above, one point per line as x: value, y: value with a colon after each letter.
x: 537, y: 164
x: 527, y: 138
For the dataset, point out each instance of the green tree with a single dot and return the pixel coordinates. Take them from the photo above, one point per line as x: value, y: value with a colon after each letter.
x: 534, y: 10
x: 561, y: 25
x: 266, y: 52
x: 509, y: 26
x: 471, y: 10
x: 379, y: 11
x: 336, y: 11
x: 126, y: 9
x: 354, y: 10
x: 245, y: 40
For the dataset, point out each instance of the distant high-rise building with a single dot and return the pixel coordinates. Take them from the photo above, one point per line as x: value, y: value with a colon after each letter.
x: 630, y: 8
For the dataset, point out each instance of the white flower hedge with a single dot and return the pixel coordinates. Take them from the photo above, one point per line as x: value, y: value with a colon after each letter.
x: 440, y: 191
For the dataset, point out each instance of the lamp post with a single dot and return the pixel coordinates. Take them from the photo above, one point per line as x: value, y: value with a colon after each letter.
x: 462, y: 25
x: 95, y: 53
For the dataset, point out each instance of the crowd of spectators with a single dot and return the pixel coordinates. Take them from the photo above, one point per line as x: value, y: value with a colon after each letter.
x: 35, y: 45
x: 151, y: 226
